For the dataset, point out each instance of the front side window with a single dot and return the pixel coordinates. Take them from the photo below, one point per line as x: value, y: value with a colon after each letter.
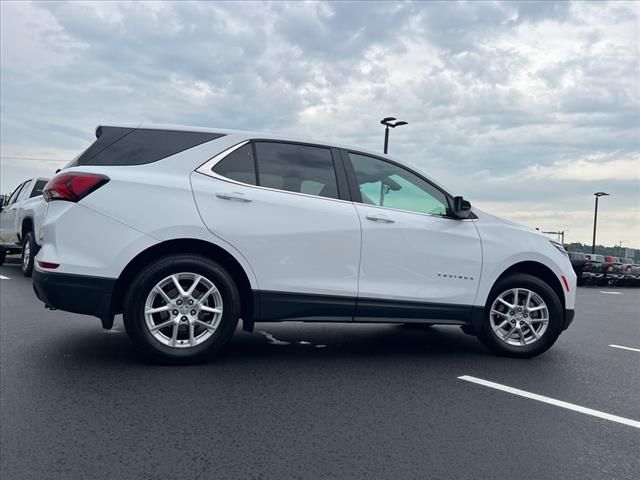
x: 239, y: 165
x: 25, y: 190
x: 14, y: 195
x: 387, y: 185
x: 296, y: 168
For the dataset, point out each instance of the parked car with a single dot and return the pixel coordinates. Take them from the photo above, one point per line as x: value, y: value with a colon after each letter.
x: 580, y: 266
x: 20, y: 219
x: 626, y: 268
x: 613, y: 273
x: 185, y: 231
x: 634, y: 279
x: 597, y: 268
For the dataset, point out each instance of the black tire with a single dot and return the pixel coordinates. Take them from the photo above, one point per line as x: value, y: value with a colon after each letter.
x: 144, y: 282
x: 28, y: 248
x: 3, y: 255
x: 556, y: 318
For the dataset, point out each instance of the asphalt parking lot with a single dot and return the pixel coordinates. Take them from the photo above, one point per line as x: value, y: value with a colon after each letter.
x: 319, y: 401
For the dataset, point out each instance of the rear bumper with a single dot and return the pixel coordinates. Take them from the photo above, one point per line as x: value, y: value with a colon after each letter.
x: 76, y: 294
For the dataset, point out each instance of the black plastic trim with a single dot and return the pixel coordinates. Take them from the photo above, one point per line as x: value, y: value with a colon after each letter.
x: 569, y: 315
x: 76, y: 293
x: 272, y: 306
x: 282, y: 305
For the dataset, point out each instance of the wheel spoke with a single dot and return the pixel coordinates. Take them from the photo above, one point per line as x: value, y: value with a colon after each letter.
x: 203, y: 297
x: 504, y: 302
x: 500, y: 313
x: 206, y: 325
x: 539, y: 320
x: 192, y: 338
x: 501, y: 326
x: 522, y: 340
x: 174, y: 335
x: 508, y: 334
x: 178, y: 286
x: 533, y: 331
x: 162, y: 293
x: 515, y: 297
x: 539, y: 307
x: 195, y: 283
x: 206, y: 308
x: 528, y: 302
x: 162, y: 325
x: 150, y: 311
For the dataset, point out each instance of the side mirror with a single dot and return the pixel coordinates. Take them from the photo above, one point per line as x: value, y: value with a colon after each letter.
x: 461, y: 208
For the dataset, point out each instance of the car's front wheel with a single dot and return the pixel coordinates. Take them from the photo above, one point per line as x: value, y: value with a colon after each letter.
x: 28, y: 253
x: 181, y: 309
x: 523, y: 317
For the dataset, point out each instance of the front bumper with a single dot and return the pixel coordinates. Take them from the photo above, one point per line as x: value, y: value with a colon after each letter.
x: 76, y: 293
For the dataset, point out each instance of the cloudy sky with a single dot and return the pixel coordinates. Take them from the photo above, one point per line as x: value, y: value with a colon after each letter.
x: 525, y: 108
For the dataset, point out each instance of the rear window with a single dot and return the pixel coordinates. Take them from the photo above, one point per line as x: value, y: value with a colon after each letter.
x: 130, y: 146
x: 37, y: 189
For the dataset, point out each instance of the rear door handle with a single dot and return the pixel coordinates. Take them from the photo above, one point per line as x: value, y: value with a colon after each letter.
x: 378, y: 217
x: 234, y: 196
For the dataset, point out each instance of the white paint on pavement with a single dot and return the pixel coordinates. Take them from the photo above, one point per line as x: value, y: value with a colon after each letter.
x: 552, y: 401
x: 626, y: 348
x: 2, y: 277
x: 273, y: 340
x: 611, y: 293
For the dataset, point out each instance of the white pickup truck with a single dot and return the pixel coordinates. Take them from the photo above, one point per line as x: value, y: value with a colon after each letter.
x: 21, y: 216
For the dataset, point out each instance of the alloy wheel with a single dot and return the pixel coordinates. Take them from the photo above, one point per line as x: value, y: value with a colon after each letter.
x: 183, y: 310
x: 519, y: 317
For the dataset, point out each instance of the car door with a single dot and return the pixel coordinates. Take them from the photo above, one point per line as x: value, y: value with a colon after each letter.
x: 8, y: 234
x: 283, y: 206
x: 417, y: 261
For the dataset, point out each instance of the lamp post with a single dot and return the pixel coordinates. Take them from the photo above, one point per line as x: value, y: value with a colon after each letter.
x: 595, y: 219
x: 393, y: 123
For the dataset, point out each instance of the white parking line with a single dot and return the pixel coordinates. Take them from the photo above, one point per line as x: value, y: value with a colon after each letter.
x: 626, y: 348
x: 552, y: 401
x: 611, y: 293
x: 2, y: 277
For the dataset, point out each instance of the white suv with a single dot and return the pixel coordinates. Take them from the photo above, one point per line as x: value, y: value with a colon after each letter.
x: 185, y: 231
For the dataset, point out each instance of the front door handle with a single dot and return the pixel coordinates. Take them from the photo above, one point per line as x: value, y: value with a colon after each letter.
x: 234, y: 196
x: 378, y: 217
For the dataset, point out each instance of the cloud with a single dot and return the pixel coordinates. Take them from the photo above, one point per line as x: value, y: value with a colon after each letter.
x: 505, y: 101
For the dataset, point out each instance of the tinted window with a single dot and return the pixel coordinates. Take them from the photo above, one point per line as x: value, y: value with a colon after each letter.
x: 238, y: 165
x: 388, y: 185
x: 37, y: 189
x: 126, y: 146
x: 14, y: 195
x: 296, y: 168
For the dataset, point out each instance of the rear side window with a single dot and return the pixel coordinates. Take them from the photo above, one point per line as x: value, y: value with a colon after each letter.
x: 239, y: 165
x: 296, y: 168
x: 37, y: 189
x: 25, y: 190
x: 126, y: 146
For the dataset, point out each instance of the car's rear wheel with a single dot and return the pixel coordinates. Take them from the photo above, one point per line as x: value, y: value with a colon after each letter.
x: 181, y: 309
x: 523, y: 317
x: 28, y: 253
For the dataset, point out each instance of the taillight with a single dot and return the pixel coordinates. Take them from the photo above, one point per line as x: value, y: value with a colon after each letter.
x: 72, y: 187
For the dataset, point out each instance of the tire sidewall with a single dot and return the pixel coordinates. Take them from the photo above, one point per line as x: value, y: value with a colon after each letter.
x: 554, y: 328
x: 136, y: 296
x: 28, y: 269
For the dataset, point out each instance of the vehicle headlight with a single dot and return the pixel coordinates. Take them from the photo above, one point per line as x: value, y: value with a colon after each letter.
x: 560, y: 247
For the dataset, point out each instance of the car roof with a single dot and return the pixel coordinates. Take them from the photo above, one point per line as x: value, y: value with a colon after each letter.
x: 273, y: 136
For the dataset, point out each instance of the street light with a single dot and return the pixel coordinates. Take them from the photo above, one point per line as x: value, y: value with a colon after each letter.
x: 595, y: 219
x: 393, y: 123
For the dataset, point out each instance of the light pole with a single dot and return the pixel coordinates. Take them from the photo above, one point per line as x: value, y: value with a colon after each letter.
x: 393, y: 123
x: 595, y: 219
